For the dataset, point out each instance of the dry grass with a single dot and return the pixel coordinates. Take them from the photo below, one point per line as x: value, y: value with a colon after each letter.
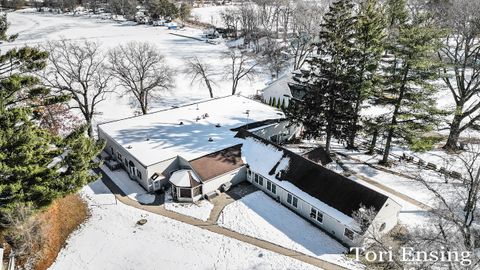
x: 59, y: 220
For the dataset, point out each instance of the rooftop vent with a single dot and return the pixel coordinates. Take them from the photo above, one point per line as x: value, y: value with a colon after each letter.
x: 218, y: 125
x: 247, y: 112
x: 197, y: 119
x: 210, y: 139
x: 206, y: 115
x: 129, y: 147
x: 181, y: 123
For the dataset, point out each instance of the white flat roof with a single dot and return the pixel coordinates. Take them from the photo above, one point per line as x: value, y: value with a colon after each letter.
x: 159, y: 136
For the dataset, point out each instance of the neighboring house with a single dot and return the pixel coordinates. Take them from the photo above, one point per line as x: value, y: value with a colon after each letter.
x: 192, y: 148
x: 278, y: 91
x: 318, y: 194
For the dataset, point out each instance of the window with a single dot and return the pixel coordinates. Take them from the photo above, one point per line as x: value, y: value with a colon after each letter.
x: 271, y: 187
x: 185, y: 193
x: 256, y: 178
x: 113, y: 151
x: 316, y: 215
x: 119, y: 156
x: 249, y: 172
x: 260, y: 180
x: 139, y: 174
x: 349, y: 233
x: 292, y: 200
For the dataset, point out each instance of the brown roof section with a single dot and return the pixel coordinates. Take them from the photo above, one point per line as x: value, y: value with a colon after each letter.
x: 218, y: 163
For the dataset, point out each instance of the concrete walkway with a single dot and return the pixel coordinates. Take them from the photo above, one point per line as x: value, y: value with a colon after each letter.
x: 211, y: 225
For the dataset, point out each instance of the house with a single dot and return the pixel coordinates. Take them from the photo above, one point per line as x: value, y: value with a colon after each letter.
x: 278, y: 92
x: 200, y: 148
x: 191, y: 148
x: 322, y: 196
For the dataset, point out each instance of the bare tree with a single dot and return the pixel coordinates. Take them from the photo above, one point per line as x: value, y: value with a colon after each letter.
x: 306, y: 20
x: 141, y: 70
x: 240, y: 67
x: 461, y: 73
x: 231, y: 19
x: 77, y: 69
x: 200, y: 72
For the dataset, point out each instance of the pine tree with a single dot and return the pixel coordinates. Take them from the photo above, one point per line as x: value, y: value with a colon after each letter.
x: 327, y: 107
x: 408, y: 70
x: 270, y: 101
x: 274, y: 102
x: 28, y: 171
x: 370, y: 35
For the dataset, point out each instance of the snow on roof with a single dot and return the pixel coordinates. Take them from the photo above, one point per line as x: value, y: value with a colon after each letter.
x: 262, y: 158
x: 189, y: 131
x: 183, y: 178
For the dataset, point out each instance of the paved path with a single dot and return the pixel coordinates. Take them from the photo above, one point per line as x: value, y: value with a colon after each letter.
x: 379, y: 185
x: 211, y: 225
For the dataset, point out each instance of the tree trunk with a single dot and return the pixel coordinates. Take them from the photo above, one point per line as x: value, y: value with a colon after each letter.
x: 454, y: 135
x: 207, y: 82
x: 89, y: 129
x: 373, y: 143
x: 353, y: 134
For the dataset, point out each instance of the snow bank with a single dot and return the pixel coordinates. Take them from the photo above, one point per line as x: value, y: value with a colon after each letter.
x: 111, y: 240
x: 199, y: 210
x: 259, y: 216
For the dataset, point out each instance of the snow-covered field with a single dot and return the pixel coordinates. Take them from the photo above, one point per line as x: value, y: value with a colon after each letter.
x: 200, y: 210
x: 111, y: 239
x: 259, y: 216
x: 210, y: 14
x: 36, y: 28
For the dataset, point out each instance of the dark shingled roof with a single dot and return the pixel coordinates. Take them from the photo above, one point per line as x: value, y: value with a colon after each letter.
x: 258, y: 124
x: 218, y: 163
x: 318, y: 155
x: 334, y: 189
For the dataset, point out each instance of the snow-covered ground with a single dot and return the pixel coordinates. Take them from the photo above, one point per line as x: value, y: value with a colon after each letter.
x: 111, y: 239
x: 36, y: 28
x: 130, y: 187
x: 259, y: 216
x: 200, y: 210
x: 210, y: 14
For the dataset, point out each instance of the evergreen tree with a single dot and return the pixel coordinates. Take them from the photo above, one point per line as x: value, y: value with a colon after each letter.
x: 327, y: 107
x: 35, y: 166
x: 270, y: 101
x: 274, y: 102
x: 370, y: 36
x: 408, y: 70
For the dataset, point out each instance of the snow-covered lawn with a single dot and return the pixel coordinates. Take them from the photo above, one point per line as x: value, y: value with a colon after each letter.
x: 111, y: 239
x: 259, y: 216
x: 200, y: 210
x: 130, y: 187
x: 37, y: 28
x: 210, y: 14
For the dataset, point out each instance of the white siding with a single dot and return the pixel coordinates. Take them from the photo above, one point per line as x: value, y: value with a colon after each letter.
x: 330, y: 225
x: 281, y: 129
x: 233, y: 177
x: 118, y: 149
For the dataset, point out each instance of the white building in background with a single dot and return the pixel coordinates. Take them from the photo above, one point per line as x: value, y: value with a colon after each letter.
x: 191, y: 147
x: 278, y: 91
